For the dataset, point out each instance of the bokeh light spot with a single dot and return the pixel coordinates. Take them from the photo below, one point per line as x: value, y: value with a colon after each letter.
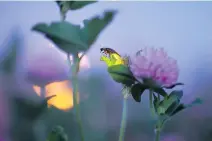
x: 64, y: 95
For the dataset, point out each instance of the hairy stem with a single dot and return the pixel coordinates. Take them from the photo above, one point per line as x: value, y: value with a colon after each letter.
x: 151, y: 102
x: 158, y: 128
x: 62, y: 16
x: 157, y: 135
x: 74, y: 81
x: 123, y: 120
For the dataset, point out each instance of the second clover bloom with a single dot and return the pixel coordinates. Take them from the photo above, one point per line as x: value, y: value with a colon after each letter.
x: 155, y: 64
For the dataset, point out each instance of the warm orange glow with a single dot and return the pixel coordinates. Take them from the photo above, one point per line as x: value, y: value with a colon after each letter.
x: 64, y: 95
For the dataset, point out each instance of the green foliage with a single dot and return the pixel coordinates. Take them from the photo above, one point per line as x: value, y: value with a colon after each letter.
x: 137, y: 90
x: 156, y: 102
x: 121, y: 74
x: 9, y: 53
x: 170, y: 106
x: 57, y: 134
x: 160, y: 91
x: 73, y: 5
x: 184, y: 106
x: 93, y: 27
x: 170, y: 103
x: 65, y: 6
x: 72, y: 38
x: 65, y: 35
x: 179, y: 108
x: 31, y: 110
x: 174, y: 85
x: 154, y: 86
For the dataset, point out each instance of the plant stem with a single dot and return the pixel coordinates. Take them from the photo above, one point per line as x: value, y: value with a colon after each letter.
x: 123, y: 120
x: 151, y: 102
x: 157, y: 135
x: 74, y: 81
x: 43, y: 91
x: 62, y: 16
x: 159, y: 97
x: 159, y: 126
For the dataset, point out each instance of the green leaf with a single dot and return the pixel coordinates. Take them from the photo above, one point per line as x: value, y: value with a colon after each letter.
x: 67, y: 36
x: 183, y: 106
x: 71, y: 38
x: 93, y: 27
x: 161, y: 110
x: 156, y: 102
x: 137, y: 90
x: 121, y: 74
x: 65, y: 6
x: 178, y: 109
x: 160, y: 91
x: 195, y: 102
x: 176, y: 94
x: 174, y: 85
x: 154, y: 86
x: 170, y: 103
x: 172, y: 108
x: 57, y: 134
x: 74, y: 5
x: 30, y: 109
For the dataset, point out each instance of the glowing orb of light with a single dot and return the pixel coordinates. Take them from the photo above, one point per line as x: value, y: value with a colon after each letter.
x: 64, y: 95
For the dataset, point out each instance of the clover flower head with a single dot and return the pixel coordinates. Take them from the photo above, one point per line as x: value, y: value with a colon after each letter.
x: 155, y: 64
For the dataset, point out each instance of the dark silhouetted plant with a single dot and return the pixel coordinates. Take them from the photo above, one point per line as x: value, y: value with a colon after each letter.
x: 74, y: 39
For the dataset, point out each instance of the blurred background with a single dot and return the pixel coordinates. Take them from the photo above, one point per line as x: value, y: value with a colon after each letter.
x: 28, y: 60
